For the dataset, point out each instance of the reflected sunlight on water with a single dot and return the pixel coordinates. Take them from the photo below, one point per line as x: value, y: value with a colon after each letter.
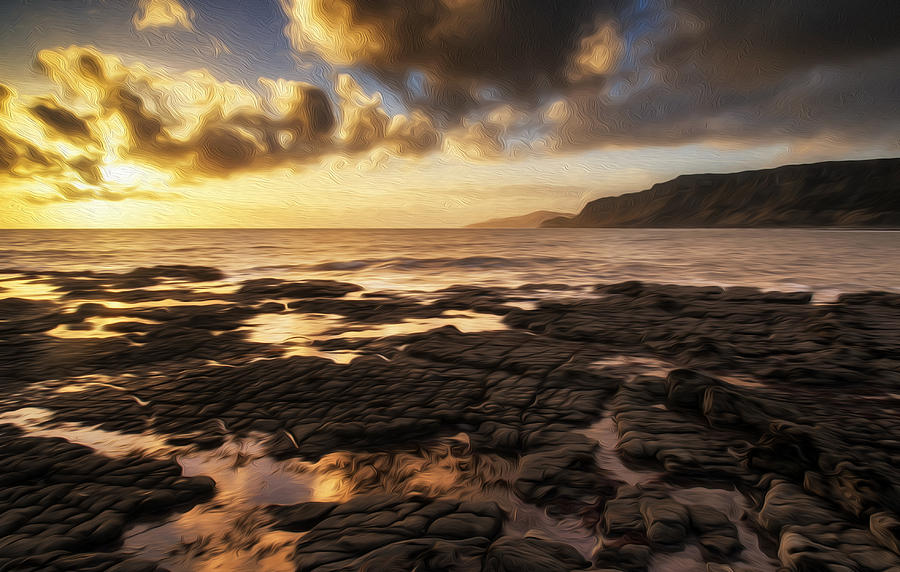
x: 826, y: 261
x: 231, y: 531
x: 94, y: 327
x: 296, y: 332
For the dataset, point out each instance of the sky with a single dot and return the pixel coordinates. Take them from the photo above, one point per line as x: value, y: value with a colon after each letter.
x: 419, y: 113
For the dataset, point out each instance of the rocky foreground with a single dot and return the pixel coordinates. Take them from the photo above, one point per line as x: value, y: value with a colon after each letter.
x: 634, y: 427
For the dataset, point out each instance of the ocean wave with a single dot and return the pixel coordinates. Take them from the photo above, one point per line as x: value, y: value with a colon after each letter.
x: 405, y: 263
x: 342, y: 265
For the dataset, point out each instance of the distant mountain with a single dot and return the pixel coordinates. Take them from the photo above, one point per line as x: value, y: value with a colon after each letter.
x: 839, y: 193
x: 531, y: 220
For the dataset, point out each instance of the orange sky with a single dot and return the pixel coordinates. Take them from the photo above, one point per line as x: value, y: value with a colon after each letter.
x: 169, y: 113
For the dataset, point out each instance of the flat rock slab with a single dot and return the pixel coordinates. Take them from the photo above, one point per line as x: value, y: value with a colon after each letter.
x: 793, y: 404
x: 64, y: 507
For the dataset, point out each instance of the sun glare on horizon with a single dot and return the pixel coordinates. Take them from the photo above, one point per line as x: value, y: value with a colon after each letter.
x: 163, y: 100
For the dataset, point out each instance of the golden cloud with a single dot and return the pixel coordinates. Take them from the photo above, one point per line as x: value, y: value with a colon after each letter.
x: 162, y: 14
x: 108, y: 119
x: 599, y: 54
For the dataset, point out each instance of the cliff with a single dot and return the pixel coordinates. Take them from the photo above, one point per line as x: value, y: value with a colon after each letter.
x: 841, y: 193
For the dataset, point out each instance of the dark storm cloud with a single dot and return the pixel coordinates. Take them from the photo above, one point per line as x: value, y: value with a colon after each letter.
x: 529, y: 44
x: 626, y: 72
x: 749, y: 71
x: 778, y: 36
x: 524, y: 48
x: 803, y: 105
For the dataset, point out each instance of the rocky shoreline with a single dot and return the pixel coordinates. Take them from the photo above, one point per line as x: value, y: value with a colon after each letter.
x: 633, y: 427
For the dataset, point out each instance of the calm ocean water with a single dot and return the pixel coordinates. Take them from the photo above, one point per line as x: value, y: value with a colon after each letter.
x: 825, y: 261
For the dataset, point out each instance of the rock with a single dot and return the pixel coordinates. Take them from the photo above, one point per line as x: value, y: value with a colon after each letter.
x: 627, y: 557
x: 70, y: 501
x: 686, y: 388
x: 886, y: 529
x: 274, y: 288
x: 532, y: 555
x: 464, y: 526
x: 301, y: 517
x: 791, y: 402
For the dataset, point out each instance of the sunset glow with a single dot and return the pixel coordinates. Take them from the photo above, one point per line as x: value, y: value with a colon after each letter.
x: 213, y: 115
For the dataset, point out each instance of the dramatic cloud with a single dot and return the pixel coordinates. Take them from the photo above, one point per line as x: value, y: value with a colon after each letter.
x: 19, y: 156
x: 599, y: 54
x: 755, y: 40
x: 611, y: 72
x: 111, y: 118
x: 66, y: 192
x: 162, y: 14
x: 473, y: 79
x: 190, y: 123
x: 62, y: 120
x: 522, y: 48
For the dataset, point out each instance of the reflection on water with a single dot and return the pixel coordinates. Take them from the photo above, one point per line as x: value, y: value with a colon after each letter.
x: 94, y: 327
x: 296, y: 332
x: 635, y: 365
x: 166, y: 303
x: 12, y: 286
x: 462, y: 320
x: 826, y: 261
x: 232, y: 531
x: 447, y: 469
x: 82, y: 383
x: 38, y: 422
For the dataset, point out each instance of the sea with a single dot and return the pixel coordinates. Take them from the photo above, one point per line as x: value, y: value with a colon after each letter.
x: 824, y: 261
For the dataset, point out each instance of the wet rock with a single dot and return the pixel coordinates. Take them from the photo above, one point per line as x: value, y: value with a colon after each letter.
x: 786, y: 503
x: 630, y: 288
x: 886, y: 529
x: 273, y: 288
x: 686, y: 388
x: 407, y: 532
x: 717, y: 534
x: 61, y: 501
x: 544, y: 286
x: 793, y: 403
x: 461, y: 526
x: 787, y: 449
x: 532, y: 555
x: 630, y: 557
x: 301, y: 517
x: 666, y: 521
x: 564, y: 472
